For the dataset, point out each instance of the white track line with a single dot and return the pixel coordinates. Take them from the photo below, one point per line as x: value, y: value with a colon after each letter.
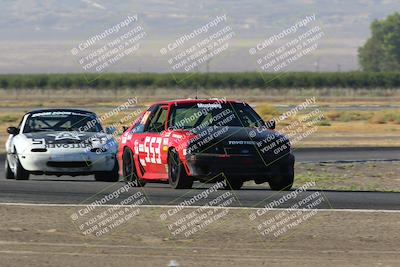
x: 196, y: 207
x: 347, y: 161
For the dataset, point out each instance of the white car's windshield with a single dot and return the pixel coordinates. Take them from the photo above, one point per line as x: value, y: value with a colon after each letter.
x: 62, y: 121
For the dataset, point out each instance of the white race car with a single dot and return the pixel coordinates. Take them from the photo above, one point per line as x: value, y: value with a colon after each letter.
x: 61, y: 142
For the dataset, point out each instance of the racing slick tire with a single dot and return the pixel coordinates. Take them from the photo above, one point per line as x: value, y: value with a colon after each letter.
x: 233, y: 184
x: 177, y: 177
x: 111, y: 176
x: 20, y: 172
x: 285, y: 182
x: 9, y: 173
x: 129, y: 169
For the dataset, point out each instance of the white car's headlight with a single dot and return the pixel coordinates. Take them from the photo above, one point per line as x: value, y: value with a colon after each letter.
x: 104, y: 144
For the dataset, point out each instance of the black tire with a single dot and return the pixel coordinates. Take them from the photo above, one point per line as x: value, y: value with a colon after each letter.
x: 233, y: 184
x: 284, y: 183
x: 20, y: 172
x: 111, y: 176
x: 9, y: 173
x: 129, y: 169
x: 177, y: 177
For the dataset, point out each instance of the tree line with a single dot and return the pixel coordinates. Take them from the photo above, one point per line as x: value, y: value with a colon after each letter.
x: 203, y: 80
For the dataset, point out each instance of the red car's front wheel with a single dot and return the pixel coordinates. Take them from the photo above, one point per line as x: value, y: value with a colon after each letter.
x: 177, y: 176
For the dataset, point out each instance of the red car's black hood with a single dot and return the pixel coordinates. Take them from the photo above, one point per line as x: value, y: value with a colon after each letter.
x: 218, y: 138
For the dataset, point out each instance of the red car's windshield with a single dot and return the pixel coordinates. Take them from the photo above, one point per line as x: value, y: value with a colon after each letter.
x: 191, y: 115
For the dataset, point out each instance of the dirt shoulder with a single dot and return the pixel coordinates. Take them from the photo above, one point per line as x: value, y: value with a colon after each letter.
x: 47, y: 236
x: 356, y: 176
x: 381, y: 176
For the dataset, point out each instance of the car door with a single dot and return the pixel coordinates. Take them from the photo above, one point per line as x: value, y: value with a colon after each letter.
x: 150, y: 143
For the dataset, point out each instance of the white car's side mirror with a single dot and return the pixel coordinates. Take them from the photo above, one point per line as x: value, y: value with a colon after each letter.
x: 12, y: 130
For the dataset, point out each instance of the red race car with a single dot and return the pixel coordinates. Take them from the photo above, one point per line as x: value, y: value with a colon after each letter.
x: 209, y: 140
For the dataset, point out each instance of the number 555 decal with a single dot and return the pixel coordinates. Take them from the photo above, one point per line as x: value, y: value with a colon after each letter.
x: 152, y: 147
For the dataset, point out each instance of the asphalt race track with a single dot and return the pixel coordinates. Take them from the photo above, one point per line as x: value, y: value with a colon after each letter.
x: 344, y: 154
x: 84, y: 190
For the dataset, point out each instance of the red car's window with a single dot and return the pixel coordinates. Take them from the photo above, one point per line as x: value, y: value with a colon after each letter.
x: 157, y: 122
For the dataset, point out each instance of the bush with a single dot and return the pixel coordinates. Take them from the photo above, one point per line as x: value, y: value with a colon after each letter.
x: 377, y: 119
x: 267, y: 111
x: 205, y: 80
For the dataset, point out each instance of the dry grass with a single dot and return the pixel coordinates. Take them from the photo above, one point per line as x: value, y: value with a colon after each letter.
x: 366, y: 176
x: 338, y: 128
x: 353, y: 133
x: 359, y: 176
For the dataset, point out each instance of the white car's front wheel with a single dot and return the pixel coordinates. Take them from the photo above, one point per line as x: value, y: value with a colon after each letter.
x: 9, y: 172
x: 20, y: 173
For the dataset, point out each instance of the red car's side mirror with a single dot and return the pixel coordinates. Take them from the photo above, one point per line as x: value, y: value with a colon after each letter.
x: 270, y: 124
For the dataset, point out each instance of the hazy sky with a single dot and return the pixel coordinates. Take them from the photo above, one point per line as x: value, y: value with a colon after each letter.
x: 37, y: 36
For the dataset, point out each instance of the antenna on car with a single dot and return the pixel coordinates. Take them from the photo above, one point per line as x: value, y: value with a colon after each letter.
x: 196, y: 97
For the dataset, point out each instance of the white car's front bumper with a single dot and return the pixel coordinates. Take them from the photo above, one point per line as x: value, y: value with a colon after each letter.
x: 67, y: 162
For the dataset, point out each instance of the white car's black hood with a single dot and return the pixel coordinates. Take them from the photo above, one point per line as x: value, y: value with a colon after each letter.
x: 67, y: 139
